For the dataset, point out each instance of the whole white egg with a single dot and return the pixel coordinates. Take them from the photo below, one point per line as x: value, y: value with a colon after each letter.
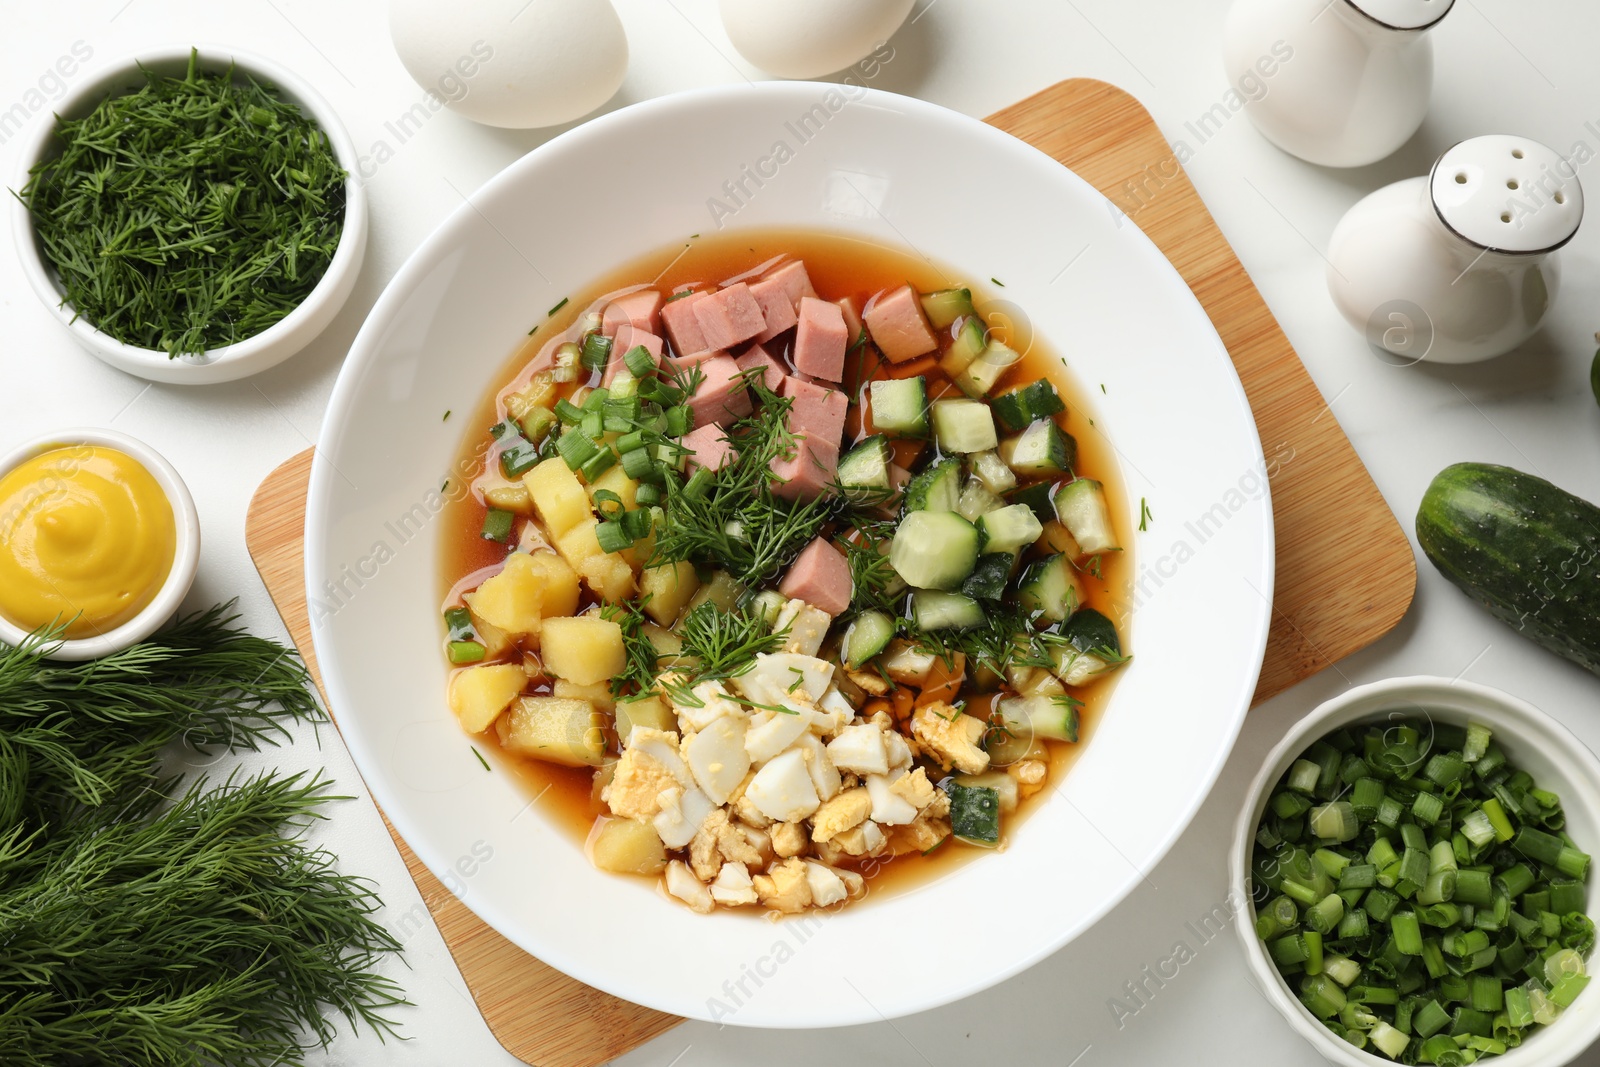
x: 513, y: 63
x: 809, y: 38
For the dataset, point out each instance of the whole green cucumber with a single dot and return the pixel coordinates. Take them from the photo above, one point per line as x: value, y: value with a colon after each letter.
x: 1526, y: 550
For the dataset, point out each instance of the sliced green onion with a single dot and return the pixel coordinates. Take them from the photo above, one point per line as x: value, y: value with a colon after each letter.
x: 1303, y: 776
x: 647, y: 495
x: 680, y: 420
x: 1335, y: 822
x: 640, y: 465
x: 1322, y: 995
x: 1477, y: 742
x: 466, y: 652
x: 1390, y: 1042
x: 568, y: 412
x: 1324, y: 915
x: 639, y: 361
x: 1478, y: 828
x: 596, y: 351
x: 1429, y: 1019
x: 612, y: 537
x: 497, y: 525
x: 577, y: 448
x: 598, y: 465
x: 1407, y: 933
x: 1354, y: 925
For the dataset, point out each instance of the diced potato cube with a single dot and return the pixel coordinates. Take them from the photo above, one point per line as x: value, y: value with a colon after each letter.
x: 494, y: 639
x: 558, y: 496
x: 568, y: 732
x: 479, y: 694
x: 650, y: 711
x: 558, y: 582
x: 598, y: 694
x: 616, y: 480
x: 580, y: 542
x: 721, y: 590
x: 640, y: 553
x: 586, y: 649
x: 512, y: 496
x: 610, y: 576
x: 540, y: 392
x: 512, y: 600
x: 669, y: 587
x: 624, y: 846
x: 669, y: 646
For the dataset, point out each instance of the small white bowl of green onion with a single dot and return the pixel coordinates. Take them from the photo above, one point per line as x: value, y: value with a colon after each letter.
x: 188, y: 225
x: 1416, y: 853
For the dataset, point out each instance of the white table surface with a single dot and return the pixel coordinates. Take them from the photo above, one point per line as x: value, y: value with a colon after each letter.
x: 1503, y: 66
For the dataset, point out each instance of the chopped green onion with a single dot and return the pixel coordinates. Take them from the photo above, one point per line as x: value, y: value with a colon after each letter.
x: 647, y: 495
x: 640, y: 465
x: 1335, y: 822
x: 497, y: 525
x: 596, y: 351
x: 598, y: 465
x: 577, y: 448
x: 1390, y: 1042
x: 1478, y: 828
x: 1487, y: 993
x: 639, y: 361
x: 1476, y: 744
x: 1303, y: 776
x: 1429, y: 1019
x: 568, y: 412
x: 1407, y: 933
x: 466, y: 652
x: 680, y: 420
x: 612, y: 537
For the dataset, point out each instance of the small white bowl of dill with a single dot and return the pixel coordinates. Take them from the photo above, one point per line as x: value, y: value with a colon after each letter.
x: 227, y: 236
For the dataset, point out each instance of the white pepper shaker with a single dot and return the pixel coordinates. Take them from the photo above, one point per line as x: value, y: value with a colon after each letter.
x: 1349, y: 80
x: 1458, y: 266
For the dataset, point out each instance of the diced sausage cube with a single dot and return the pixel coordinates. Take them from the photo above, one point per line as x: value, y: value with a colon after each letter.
x: 721, y: 397
x: 817, y: 411
x: 757, y: 358
x: 898, y: 327
x: 820, y: 342
x: 683, y: 327
x: 638, y: 310
x: 777, y: 307
x: 794, y: 279
x: 627, y: 338
x: 821, y: 577
x: 809, y: 474
x: 852, y: 318
x: 709, y: 448
x: 729, y: 317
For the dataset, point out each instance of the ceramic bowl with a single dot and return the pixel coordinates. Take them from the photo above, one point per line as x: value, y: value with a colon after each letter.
x: 254, y: 354
x: 1532, y: 740
x: 886, y: 169
x: 186, y: 556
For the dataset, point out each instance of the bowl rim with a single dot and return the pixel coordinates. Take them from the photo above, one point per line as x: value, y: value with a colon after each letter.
x: 1525, y: 723
x: 256, y: 353
x: 347, y: 386
x: 186, y: 549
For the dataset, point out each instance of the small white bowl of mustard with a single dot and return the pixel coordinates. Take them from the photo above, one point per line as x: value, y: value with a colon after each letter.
x: 99, y: 542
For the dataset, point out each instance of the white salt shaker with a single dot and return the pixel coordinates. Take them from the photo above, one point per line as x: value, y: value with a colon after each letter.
x: 1459, y: 266
x: 1340, y: 83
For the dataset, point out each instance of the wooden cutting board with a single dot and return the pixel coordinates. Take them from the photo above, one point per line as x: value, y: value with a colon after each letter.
x: 1345, y: 575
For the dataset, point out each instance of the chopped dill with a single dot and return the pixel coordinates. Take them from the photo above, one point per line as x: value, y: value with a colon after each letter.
x: 557, y: 308
x: 640, y: 656
x: 1145, y: 515
x: 481, y: 760
x: 446, y: 415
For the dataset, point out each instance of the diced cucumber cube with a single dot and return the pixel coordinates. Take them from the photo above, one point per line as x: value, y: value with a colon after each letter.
x: 936, y: 489
x: 976, y: 501
x: 982, y: 373
x: 1038, y: 497
x: 865, y: 468
x: 1052, y: 588
x: 946, y: 306
x: 1041, y: 450
x: 867, y: 636
x: 974, y: 814
x: 969, y: 344
x: 1009, y: 529
x: 1082, y: 507
x: 990, y: 469
x: 1047, y: 716
x: 989, y: 576
x: 934, y: 549
x: 935, y: 610
x: 1017, y: 408
x: 964, y: 426
x: 900, y: 406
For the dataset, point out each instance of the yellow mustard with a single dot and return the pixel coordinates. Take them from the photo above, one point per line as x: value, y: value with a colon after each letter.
x: 87, y: 538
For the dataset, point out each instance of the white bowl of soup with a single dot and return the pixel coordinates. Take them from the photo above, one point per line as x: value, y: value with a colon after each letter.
x: 965, y: 519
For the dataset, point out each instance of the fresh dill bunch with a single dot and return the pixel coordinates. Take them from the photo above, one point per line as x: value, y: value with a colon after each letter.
x: 206, y: 933
x: 84, y: 733
x: 145, y: 926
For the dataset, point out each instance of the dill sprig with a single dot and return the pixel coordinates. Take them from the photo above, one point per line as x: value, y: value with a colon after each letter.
x: 639, y: 665
x: 192, y: 213
x: 145, y: 925
x: 738, y: 523
x: 718, y: 645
